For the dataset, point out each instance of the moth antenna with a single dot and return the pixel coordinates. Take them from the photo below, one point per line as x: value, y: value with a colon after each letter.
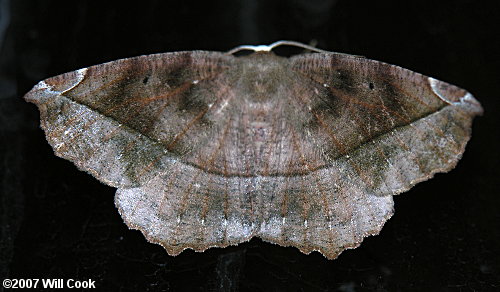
x: 268, y: 48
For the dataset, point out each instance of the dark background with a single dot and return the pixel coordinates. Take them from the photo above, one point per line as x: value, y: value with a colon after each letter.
x: 58, y: 222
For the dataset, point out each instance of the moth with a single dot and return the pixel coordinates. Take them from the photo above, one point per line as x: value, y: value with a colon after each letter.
x: 208, y: 149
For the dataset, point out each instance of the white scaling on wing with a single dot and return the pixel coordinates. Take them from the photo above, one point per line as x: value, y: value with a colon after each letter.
x: 58, y: 145
x: 467, y: 97
x: 223, y: 105
x: 42, y: 85
x: 80, y: 74
x: 434, y: 85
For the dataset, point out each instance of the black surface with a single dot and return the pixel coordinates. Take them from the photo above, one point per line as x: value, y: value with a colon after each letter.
x: 58, y: 222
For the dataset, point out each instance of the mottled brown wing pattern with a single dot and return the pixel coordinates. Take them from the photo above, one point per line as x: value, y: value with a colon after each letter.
x: 122, y: 121
x: 211, y: 150
x: 369, y: 138
x: 394, y: 126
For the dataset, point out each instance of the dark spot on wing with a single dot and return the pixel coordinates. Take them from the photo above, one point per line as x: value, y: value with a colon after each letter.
x: 112, y: 97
